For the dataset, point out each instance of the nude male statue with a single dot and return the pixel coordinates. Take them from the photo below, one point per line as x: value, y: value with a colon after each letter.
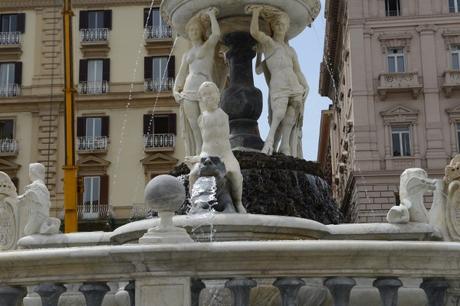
x: 215, y: 132
x: 288, y: 86
x: 37, y: 199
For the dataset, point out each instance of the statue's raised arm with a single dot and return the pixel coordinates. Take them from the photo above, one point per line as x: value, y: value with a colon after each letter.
x: 255, y: 31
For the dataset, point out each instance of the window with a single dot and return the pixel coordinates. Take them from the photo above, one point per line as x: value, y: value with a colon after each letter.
x: 94, y: 76
x: 10, y: 23
x: 159, y: 131
x: 155, y: 26
x: 396, y: 60
x: 10, y: 79
x: 95, y: 25
x: 455, y: 56
x: 94, y: 201
x: 454, y: 6
x: 7, y: 142
x: 401, y: 141
x: 392, y: 8
x: 92, y: 133
x: 159, y: 73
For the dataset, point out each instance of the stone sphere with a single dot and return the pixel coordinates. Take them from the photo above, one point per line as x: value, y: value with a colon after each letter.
x: 164, y: 193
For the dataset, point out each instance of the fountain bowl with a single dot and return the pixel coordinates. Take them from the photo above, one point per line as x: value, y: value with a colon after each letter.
x: 233, y: 16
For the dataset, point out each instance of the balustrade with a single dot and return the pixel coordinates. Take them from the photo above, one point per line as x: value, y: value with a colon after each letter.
x: 10, y: 38
x: 94, y: 35
x: 8, y: 146
x: 10, y: 90
x: 158, y: 32
x: 155, y: 85
x: 92, y: 143
x: 159, y: 141
x: 93, y: 88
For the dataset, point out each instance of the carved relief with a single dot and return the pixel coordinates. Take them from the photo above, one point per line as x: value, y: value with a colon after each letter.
x: 398, y: 40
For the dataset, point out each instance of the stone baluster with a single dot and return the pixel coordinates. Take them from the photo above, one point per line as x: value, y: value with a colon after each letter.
x: 11, y: 295
x: 50, y: 293
x: 131, y: 289
x: 435, y: 289
x: 196, y: 287
x: 94, y: 292
x: 289, y: 287
x: 340, y: 288
x: 240, y: 288
x: 388, y: 288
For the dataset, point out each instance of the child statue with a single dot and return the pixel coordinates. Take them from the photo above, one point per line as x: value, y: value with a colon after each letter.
x: 215, y: 131
x: 287, y: 84
x: 37, y: 199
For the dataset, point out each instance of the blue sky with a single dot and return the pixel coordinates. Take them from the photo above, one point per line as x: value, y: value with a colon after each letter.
x: 309, y: 46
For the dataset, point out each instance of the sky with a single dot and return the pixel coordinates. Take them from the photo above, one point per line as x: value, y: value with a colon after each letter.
x: 309, y: 47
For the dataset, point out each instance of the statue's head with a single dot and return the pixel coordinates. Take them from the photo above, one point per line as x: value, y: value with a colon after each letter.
x: 37, y: 172
x: 195, y: 29
x: 212, y: 166
x: 279, y: 23
x: 209, y: 96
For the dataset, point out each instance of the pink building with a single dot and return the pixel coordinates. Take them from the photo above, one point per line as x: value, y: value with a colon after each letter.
x: 392, y: 70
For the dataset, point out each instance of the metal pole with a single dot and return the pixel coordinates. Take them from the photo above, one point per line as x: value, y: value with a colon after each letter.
x: 70, y: 170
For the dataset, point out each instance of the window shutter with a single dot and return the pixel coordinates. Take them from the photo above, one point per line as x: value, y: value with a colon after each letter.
x: 172, y: 123
x: 18, y: 73
x: 108, y: 19
x: 83, y: 20
x: 1, y: 23
x: 21, y: 26
x: 148, y: 62
x: 105, y: 126
x: 148, y: 124
x: 80, y: 190
x: 106, y: 69
x: 9, y: 129
x: 83, y: 77
x: 81, y: 126
x: 172, y: 68
x: 104, y: 189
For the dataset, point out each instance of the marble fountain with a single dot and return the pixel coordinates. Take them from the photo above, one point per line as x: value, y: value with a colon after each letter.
x: 233, y: 248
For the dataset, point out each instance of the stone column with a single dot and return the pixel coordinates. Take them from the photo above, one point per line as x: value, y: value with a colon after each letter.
x: 435, y: 289
x: 94, y: 292
x: 50, y: 293
x: 388, y: 288
x: 289, y: 288
x: 241, y: 288
x: 11, y: 295
x: 340, y: 288
x: 241, y: 100
x: 387, y: 140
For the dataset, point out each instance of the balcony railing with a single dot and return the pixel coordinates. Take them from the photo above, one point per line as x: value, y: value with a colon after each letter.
x: 451, y: 81
x: 158, y: 32
x: 159, y: 142
x: 93, y: 211
x: 93, y: 88
x: 399, y: 82
x: 92, y: 144
x: 10, y: 90
x: 10, y: 38
x: 96, y: 35
x: 159, y: 85
x: 8, y: 146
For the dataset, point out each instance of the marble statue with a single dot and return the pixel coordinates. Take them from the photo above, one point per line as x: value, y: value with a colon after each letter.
x: 197, y: 66
x: 287, y: 85
x: 413, y: 185
x: 9, y: 214
x: 212, y: 187
x: 446, y: 202
x: 36, y: 199
x: 215, y: 133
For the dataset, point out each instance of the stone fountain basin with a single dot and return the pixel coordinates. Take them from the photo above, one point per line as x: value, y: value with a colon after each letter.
x: 230, y: 227
x: 232, y: 12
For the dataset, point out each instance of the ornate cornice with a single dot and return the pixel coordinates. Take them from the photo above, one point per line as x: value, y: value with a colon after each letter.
x: 34, y: 4
x: 395, y: 40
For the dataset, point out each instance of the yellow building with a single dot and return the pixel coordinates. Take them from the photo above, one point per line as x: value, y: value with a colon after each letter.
x: 126, y: 125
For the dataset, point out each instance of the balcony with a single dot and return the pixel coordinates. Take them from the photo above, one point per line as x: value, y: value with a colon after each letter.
x: 158, y: 32
x: 159, y: 142
x: 92, y: 144
x: 93, y: 88
x: 8, y: 147
x: 451, y: 82
x: 399, y: 82
x: 10, y: 39
x: 159, y: 86
x: 93, y: 212
x: 94, y: 36
x: 10, y: 90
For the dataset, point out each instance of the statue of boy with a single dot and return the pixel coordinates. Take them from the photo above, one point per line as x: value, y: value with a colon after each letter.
x: 287, y: 84
x: 215, y: 132
x: 36, y: 198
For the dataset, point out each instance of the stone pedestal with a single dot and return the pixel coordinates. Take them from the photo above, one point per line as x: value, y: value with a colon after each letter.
x: 158, y: 291
x: 241, y: 100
